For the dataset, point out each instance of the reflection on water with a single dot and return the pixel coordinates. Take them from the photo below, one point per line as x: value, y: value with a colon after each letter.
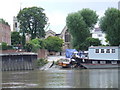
x: 54, y: 78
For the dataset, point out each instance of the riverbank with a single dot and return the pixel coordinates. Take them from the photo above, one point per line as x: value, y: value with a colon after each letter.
x: 51, y: 60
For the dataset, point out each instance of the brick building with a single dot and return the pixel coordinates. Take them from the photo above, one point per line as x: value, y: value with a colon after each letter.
x: 5, y: 33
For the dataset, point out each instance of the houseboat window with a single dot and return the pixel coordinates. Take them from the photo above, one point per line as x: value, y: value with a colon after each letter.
x: 97, y: 51
x: 113, y: 50
x: 102, y: 50
x: 114, y: 62
x: 94, y: 62
x: 102, y: 62
x: 108, y: 51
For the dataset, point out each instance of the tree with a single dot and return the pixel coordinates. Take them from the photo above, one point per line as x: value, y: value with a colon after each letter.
x: 54, y: 44
x: 4, y: 46
x: 110, y: 24
x: 90, y: 17
x: 15, y: 38
x: 79, y: 25
x: 32, y: 21
x: 3, y: 21
x: 34, y: 45
x: 23, y: 38
x: 28, y: 47
x: 92, y: 42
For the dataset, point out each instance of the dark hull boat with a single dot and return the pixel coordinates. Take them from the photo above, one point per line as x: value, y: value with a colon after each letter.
x: 97, y: 64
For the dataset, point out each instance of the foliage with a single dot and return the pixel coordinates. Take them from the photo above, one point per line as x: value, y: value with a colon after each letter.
x: 110, y: 24
x: 3, y: 21
x: 9, y: 47
x: 15, y: 38
x: 23, y: 38
x: 91, y: 42
x: 41, y: 62
x: 90, y: 17
x: 79, y: 25
x: 4, y: 46
x: 54, y: 44
x: 28, y: 47
x: 34, y: 45
x: 32, y: 21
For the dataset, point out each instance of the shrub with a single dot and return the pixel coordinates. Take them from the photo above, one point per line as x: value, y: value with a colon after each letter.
x: 41, y: 62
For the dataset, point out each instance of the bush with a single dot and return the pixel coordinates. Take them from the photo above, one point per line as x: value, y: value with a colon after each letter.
x: 9, y: 47
x: 41, y: 62
x: 4, y: 46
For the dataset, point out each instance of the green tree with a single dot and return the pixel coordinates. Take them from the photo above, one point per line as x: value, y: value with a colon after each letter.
x: 4, y: 46
x: 110, y: 24
x: 3, y: 21
x: 91, y: 42
x: 23, y: 39
x: 54, y: 44
x: 32, y: 21
x: 29, y: 47
x: 79, y: 25
x: 90, y: 17
x: 15, y: 38
x: 34, y: 45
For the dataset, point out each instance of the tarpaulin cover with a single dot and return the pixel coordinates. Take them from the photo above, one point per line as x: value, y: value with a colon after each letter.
x: 69, y: 52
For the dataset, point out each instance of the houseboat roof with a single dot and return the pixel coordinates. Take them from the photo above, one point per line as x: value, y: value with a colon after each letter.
x: 114, y: 47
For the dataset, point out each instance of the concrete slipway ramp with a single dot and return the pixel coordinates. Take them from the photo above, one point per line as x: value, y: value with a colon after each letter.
x: 50, y: 62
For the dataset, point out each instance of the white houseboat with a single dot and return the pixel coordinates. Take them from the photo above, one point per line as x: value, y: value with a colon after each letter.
x: 102, y: 57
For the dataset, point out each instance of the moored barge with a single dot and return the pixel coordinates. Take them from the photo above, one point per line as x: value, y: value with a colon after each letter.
x: 101, y: 57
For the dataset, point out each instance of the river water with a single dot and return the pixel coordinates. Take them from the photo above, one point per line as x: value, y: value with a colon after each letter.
x: 61, y: 78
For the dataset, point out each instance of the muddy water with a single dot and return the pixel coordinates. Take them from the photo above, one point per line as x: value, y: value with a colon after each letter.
x: 61, y: 78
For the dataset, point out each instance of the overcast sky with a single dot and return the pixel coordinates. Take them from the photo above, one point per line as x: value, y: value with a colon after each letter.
x: 56, y: 10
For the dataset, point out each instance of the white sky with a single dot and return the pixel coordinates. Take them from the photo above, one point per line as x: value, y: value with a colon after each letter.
x: 56, y: 10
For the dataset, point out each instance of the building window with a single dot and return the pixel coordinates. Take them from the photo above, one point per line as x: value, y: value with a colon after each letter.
x: 97, y: 51
x: 102, y: 50
x: 67, y: 37
x: 113, y: 50
x: 108, y: 51
x: 102, y: 62
x: 15, y: 25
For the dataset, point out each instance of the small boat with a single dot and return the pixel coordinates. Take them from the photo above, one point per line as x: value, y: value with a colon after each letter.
x: 64, y: 62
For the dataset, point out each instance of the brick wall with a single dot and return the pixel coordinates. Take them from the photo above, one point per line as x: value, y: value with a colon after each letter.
x: 42, y: 53
x: 5, y: 34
